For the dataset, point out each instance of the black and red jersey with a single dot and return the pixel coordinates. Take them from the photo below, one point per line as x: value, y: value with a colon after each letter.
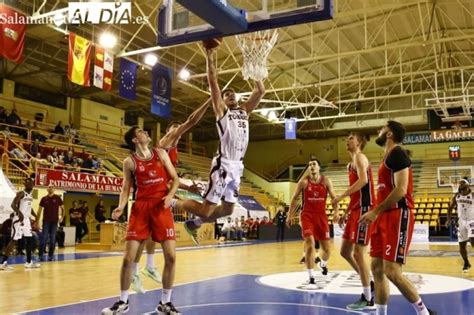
x: 365, y: 197
x: 396, y: 160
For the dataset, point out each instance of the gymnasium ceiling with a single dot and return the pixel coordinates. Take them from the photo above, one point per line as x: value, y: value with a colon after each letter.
x: 376, y: 59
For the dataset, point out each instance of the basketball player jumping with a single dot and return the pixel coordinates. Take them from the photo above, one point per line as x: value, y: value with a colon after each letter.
x: 393, y: 221
x: 356, y: 236
x: 21, y: 225
x: 314, y: 222
x: 149, y: 170
x: 463, y: 201
x: 227, y: 167
x: 169, y: 143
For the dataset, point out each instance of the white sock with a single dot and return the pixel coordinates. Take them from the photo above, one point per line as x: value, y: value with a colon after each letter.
x: 311, y: 273
x: 135, y: 268
x: 367, y: 293
x: 166, y: 296
x: 420, y: 308
x: 150, y: 262
x: 198, y: 222
x: 324, y: 263
x: 380, y: 309
x: 124, y: 296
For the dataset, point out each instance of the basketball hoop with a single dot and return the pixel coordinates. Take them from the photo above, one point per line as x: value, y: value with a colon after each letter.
x: 255, y: 49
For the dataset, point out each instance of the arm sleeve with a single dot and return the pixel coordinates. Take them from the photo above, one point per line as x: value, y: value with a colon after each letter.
x: 398, y: 160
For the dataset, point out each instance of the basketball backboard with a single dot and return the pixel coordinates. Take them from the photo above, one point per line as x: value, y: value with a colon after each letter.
x: 177, y: 25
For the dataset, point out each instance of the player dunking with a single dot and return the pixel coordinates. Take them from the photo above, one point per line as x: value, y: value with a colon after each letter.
x: 21, y: 225
x: 463, y: 200
x: 169, y: 143
x: 227, y: 167
x: 314, y: 222
x: 149, y: 170
x: 394, y: 221
x: 362, y: 197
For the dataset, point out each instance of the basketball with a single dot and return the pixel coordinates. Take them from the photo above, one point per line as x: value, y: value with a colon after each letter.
x: 212, y: 42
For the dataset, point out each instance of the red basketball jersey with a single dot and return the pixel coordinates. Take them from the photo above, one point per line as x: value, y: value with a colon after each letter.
x: 150, y: 177
x: 173, y: 154
x: 396, y: 160
x: 365, y: 196
x: 314, y: 197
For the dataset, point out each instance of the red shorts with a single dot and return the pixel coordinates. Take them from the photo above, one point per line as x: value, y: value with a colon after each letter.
x: 358, y: 233
x: 150, y: 217
x: 392, y: 234
x: 316, y: 225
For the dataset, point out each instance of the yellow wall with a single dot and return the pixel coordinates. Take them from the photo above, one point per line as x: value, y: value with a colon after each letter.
x: 27, y: 109
x: 276, y: 189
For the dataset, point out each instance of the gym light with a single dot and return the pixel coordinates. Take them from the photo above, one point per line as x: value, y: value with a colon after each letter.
x: 184, y: 74
x: 151, y: 59
x: 272, y: 116
x: 107, y: 40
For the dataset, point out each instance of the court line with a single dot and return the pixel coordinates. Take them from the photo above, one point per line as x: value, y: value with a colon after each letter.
x: 268, y: 303
x: 131, y: 293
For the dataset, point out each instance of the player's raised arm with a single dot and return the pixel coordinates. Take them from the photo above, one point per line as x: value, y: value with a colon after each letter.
x: 173, y: 176
x: 217, y: 102
x: 255, y: 98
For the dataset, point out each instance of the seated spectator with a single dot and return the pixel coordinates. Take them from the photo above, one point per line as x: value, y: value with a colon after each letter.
x: 59, y: 129
x: 265, y: 221
x: 34, y: 148
x: 13, y: 118
x: 19, y: 154
x: 228, y: 230
x: 6, y: 132
x: 88, y: 164
x: 69, y: 158
x: 35, y: 133
x: 73, y: 134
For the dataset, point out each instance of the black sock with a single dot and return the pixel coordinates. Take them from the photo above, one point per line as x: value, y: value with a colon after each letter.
x: 29, y: 244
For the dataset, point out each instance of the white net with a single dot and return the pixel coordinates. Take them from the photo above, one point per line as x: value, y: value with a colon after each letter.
x: 255, y: 49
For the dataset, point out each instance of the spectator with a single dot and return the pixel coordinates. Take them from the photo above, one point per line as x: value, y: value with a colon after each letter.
x: 18, y: 154
x: 73, y: 134
x: 99, y: 213
x: 6, y: 232
x: 69, y: 158
x: 75, y: 215
x: 34, y: 148
x: 13, y: 119
x: 239, y: 231
x: 88, y: 164
x: 228, y: 230
x: 6, y: 132
x: 35, y: 133
x: 59, y: 129
x: 53, y: 214
x: 85, y: 212
x: 280, y: 220
x: 3, y: 116
x: 251, y: 228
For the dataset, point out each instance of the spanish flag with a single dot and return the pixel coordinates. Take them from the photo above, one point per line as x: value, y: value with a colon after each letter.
x: 79, y: 60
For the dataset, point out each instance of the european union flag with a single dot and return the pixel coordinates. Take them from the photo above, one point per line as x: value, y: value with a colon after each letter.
x: 128, y: 79
x: 161, y: 91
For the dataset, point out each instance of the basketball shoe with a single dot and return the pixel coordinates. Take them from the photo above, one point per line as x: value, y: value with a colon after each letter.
x: 137, y: 284
x: 466, y: 267
x: 361, y: 304
x: 119, y: 307
x: 167, y: 309
x: 152, y: 273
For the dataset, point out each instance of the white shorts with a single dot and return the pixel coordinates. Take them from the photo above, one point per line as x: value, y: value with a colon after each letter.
x: 21, y: 229
x: 224, y: 180
x: 465, y: 231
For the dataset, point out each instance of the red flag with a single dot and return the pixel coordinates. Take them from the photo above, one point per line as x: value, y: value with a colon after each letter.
x: 12, y: 37
x: 79, y: 60
x: 103, y: 69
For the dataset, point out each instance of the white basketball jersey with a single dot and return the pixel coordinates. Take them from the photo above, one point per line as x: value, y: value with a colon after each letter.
x: 465, y: 206
x: 233, y: 129
x: 25, y: 204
